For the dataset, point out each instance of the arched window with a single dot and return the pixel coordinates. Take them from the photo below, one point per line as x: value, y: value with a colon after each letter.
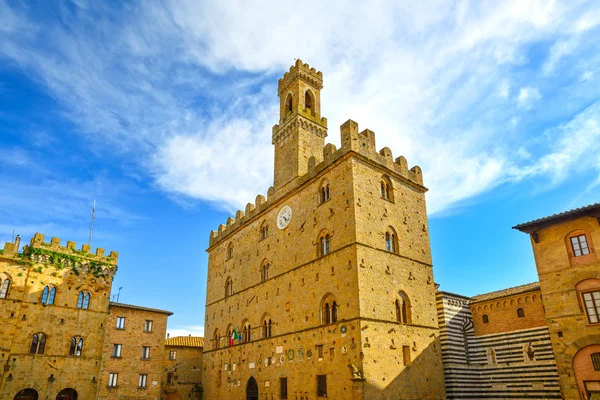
x: 229, y: 251
x: 26, y: 394
x: 38, y: 344
x: 266, y: 326
x: 308, y: 102
x: 520, y: 313
x: 76, y: 347
x: 403, y: 312
x: 228, y: 287
x: 329, y: 309
x: 48, y: 295
x: 485, y: 318
x: 391, y: 240
x: 324, y: 244
x: 264, y: 231
x: 289, y: 103
x: 324, y: 194
x: 264, y: 271
x: 217, y: 339
x: 387, y: 190
x: 491, y: 354
x: 246, y: 331
x: 4, y: 286
x: 83, y: 300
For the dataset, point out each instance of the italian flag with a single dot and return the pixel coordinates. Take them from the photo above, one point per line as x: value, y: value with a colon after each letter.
x: 232, y: 338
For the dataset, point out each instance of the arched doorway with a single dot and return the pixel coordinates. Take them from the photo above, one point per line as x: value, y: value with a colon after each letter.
x: 26, y: 394
x: 67, y: 394
x: 252, y: 389
x: 586, y: 365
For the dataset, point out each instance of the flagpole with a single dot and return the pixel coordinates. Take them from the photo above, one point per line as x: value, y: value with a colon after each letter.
x: 92, y: 224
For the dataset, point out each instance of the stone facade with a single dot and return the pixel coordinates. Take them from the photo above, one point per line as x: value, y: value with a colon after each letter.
x: 183, y: 363
x: 569, y: 272
x: 339, y: 299
x: 138, y: 364
x: 58, y: 327
x: 43, y: 301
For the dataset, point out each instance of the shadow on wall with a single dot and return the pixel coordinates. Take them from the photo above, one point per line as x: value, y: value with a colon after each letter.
x: 422, y: 379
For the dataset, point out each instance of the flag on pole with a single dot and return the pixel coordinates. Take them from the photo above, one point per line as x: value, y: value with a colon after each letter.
x: 232, y: 338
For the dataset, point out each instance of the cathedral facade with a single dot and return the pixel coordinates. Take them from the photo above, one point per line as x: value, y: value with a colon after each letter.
x: 325, y: 287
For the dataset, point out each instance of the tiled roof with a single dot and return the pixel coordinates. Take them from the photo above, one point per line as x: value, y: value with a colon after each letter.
x: 531, y: 226
x: 530, y: 287
x: 185, y: 341
x: 114, y: 304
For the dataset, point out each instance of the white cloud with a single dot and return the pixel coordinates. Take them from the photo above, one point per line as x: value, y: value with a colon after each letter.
x: 528, y: 96
x: 188, y: 90
x: 186, y: 330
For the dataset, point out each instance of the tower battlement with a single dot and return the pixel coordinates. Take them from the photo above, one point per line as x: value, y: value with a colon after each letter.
x: 37, y: 242
x: 303, y: 71
x: 360, y: 143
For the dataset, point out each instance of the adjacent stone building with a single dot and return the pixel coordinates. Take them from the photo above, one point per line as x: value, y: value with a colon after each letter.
x: 569, y: 272
x: 497, y: 346
x: 324, y: 288
x: 183, y: 365
x: 59, y: 329
x: 134, y: 348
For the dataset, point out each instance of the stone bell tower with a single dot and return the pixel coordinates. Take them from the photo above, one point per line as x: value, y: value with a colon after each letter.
x: 301, y: 131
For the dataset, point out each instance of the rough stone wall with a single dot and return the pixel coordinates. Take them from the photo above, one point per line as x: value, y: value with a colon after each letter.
x: 559, y: 273
x: 69, y: 271
x: 187, y: 370
x: 383, y: 275
x: 130, y: 365
x: 502, y: 313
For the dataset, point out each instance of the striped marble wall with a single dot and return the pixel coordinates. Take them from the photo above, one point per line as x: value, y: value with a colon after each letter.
x: 496, y: 366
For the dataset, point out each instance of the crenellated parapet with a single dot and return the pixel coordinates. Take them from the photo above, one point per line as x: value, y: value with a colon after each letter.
x: 353, y: 141
x: 300, y: 71
x: 37, y: 242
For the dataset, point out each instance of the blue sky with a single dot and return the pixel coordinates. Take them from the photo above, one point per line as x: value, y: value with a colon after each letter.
x: 162, y: 112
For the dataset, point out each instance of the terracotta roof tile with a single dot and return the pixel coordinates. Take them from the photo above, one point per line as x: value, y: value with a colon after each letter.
x: 530, y: 287
x: 531, y: 226
x: 185, y: 341
x: 123, y: 305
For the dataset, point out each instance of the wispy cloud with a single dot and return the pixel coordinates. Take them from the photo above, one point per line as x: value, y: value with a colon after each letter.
x: 187, y: 88
x: 186, y: 330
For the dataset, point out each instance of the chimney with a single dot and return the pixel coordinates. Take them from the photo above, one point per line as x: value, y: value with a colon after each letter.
x: 17, y: 242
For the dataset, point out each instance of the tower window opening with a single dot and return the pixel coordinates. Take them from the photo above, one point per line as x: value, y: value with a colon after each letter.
x: 520, y: 313
x: 485, y: 319
x: 290, y: 103
x: 580, y: 246
x: 308, y: 101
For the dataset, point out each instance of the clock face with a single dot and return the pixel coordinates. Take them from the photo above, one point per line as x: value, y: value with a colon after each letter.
x: 284, y: 217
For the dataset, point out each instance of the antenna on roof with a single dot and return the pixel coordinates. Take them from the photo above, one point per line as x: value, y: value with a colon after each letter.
x: 92, y: 224
x: 119, y: 293
x: 13, y: 239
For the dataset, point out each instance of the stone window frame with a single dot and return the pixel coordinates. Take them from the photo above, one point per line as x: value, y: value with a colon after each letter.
x: 120, y: 322
x: 229, y: 252
x: 329, y: 310
x: 228, y: 287
x: 264, y: 270
x: 217, y: 339
x: 324, y: 194
x: 76, y: 346
x: 113, y: 380
x: 145, y: 353
x: 288, y: 105
x: 116, y: 351
x: 310, y: 96
x: 324, y: 243
x: 485, y: 319
x: 264, y: 231
x: 266, y: 326
x: 48, y: 295
x: 583, y: 258
x: 386, y: 188
x: 403, y: 308
x: 83, y: 299
x: 143, y: 381
x: 391, y: 240
x: 5, y: 282
x: 589, y: 288
x: 38, y: 343
x: 246, y: 331
x: 520, y: 312
x: 172, y: 354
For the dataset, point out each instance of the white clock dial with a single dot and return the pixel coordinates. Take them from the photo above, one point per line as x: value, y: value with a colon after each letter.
x: 284, y: 217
